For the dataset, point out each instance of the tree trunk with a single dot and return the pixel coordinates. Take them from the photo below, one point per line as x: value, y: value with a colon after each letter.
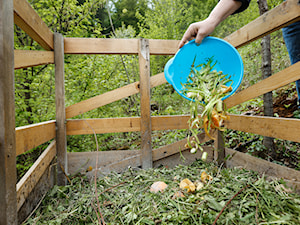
x: 266, y: 72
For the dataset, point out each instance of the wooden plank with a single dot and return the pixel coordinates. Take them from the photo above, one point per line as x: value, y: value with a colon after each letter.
x: 175, y: 148
x: 105, y: 125
x: 8, y: 176
x: 79, y: 162
x: 144, y: 64
x: 239, y: 159
x: 219, y: 145
x: 61, y: 134
x: 30, y: 22
x: 119, y: 160
x: 284, y: 77
x: 31, y: 136
x: 163, y: 47
x: 184, y: 158
x: 100, y: 46
x: 280, y: 16
x: 29, y: 58
x: 111, y: 96
x: 33, y: 175
x: 283, y: 128
x: 118, y: 46
x: 38, y: 193
x: 124, y: 124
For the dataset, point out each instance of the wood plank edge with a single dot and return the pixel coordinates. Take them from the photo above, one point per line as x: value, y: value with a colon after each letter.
x: 30, y: 179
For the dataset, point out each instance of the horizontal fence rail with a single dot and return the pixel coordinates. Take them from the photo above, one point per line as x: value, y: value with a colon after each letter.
x: 127, y: 124
x: 117, y: 46
x: 282, y: 128
x: 280, y: 16
x: 29, y: 58
x: 31, y: 136
x: 280, y: 79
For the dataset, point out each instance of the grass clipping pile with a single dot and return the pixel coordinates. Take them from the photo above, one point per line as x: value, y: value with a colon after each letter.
x: 201, y: 193
x: 206, y: 87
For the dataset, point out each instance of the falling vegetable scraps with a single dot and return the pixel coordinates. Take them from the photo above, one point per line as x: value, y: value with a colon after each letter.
x: 206, y: 87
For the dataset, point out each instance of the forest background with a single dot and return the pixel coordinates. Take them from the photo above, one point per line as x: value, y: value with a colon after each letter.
x: 90, y: 75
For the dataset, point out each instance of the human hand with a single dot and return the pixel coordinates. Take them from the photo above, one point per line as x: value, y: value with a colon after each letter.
x: 198, y: 31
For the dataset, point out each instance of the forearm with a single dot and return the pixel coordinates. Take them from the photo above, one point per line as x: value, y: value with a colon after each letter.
x: 222, y: 10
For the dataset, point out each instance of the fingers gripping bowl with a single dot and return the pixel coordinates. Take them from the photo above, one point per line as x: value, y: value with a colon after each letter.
x: 225, y: 56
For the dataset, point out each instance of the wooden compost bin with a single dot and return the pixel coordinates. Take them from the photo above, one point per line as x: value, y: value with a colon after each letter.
x: 18, y: 200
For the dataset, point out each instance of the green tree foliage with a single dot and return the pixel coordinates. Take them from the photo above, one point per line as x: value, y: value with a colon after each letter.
x: 91, y: 75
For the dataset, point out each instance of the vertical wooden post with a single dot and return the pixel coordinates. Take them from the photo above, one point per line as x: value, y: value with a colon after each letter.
x: 144, y: 61
x: 61, y: 138
x: 8, y: 174
x: 219, y: 152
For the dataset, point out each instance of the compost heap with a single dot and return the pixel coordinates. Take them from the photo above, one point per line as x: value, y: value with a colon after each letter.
x: 206, y: 87
x: 200, y: 193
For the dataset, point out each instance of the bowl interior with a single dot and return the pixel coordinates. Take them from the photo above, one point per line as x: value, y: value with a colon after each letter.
x: 224, y: 54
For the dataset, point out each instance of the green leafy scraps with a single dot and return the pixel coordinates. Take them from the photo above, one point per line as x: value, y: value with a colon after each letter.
x: 206, y: 87
x: 126, y: 199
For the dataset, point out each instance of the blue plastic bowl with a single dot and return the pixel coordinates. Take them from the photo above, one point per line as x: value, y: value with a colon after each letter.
x: 224, y: 54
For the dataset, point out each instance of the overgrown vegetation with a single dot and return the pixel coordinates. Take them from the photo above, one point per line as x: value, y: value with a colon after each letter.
x: 232, y: 196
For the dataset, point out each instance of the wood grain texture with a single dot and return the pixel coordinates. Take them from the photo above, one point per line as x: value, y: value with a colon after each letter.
x: 163, y: 47
x: 239, y: 159
x: 31, y: 136
x: 280, y: 16
x: 144, y: 65
x: 32, y: 176
x: 29, y: 21
x: 8, y: 176
x: 29, y: 58
x: 61, y: 134
x: 124, y: 124
x: 284, y: 77
x: 282, y: 128
x: 100, y: 46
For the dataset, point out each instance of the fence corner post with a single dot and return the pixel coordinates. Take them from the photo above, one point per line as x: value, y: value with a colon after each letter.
x: 8, y: 173
x: 61, y: 138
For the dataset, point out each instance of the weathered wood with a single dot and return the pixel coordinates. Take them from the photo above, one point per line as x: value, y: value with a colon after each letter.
x: 79, y: 162
x: 239, y: 159
x: 184, y: 158
x: 280, y: 16
x: 31, y: 136
x: 111, y: 96
x: 144, y: 63
x: 38, y: 193
x: 8, y: 196
x: 284, y: 77
x: 28, y: 58
x: 100, y: 46
x: 61, y: 138
x: 219, y: 147
x: 282, y: 128
x: 33, y: 175
x: 30, y: 22
x: 124, y: 124
x: 175, y: 148
x: 118, y: 160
